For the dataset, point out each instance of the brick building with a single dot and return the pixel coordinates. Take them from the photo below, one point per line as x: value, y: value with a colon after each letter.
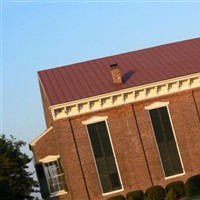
x: 120, y: 123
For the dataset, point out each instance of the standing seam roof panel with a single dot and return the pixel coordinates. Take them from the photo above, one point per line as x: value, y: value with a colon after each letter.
x: 91, y: 78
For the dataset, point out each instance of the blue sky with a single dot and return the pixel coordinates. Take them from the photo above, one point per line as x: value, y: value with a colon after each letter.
x: 37, y: 35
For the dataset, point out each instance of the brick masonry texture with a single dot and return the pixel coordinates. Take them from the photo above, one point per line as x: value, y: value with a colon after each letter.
x: 126, y: 124
x: 115, y: 71
x: 47, y: 145
x: 47, y: 113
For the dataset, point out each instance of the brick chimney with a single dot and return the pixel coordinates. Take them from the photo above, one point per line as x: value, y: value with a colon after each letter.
x: 117, y: 79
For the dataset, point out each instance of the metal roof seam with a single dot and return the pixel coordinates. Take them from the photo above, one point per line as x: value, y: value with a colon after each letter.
x: 179, y: 60
x: 103, y: 66
x: 162, y: 55
x: 72, y: 87
x: 59, y: 88
x: 47, y: 90
x: 146, y: 66
x: 135, y: 68
x: 93, y: 78
x: 62, y: 84
x: 160, y: 64
x: 44, y: 89
x: 84, y: 82
x: 53, y: 85
x: 89, y: 79
x: 173, y: 63
x: 191, y: 49
x: 78, y: 86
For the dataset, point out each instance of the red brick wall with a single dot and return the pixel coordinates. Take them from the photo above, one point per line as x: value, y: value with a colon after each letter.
x: 45, y: 146
x: 187, y: 129
x: 47, y: 112
x: 69, y: 159
x: 127, y: 145
x: 196, y: 94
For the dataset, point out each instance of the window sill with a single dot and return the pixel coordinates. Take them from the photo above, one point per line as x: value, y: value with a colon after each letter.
x: 113, y: 192
x: 174, y: 176
x: 62, y: 192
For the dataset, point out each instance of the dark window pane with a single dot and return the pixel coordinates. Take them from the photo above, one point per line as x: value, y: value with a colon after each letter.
x: 164, y: 152
x: 107, y: 147
x: 56, y: 188
x: 165, y: 157
x: 106, y: 183
x: 157, y: 125
x: 104, y: 157
x: 115, y: 181
x: 172, y: 149
x: 101, y: 165
x: 166, y: 124
x: 42, y: 181
x: 166, y: 141
x: 111, y: 164
x: 95, y: 140
x: 61, y: 186
x: 52, y: 188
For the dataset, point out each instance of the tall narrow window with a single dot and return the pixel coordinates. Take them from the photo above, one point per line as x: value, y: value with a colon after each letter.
x: 104, y: 157
x: 166, y: 142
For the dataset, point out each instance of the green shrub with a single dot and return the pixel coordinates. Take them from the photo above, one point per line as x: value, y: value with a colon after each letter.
x: 193, y: 185
x: 135, y: 195
x: 156, y: 192
x: 118, y: 197
x: 171, y: 195
x: 178, y: 187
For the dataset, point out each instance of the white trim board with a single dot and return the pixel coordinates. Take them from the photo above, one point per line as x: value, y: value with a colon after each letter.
x: 125, y: 96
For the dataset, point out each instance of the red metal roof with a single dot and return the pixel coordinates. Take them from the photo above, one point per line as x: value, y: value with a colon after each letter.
x: 90, y: 78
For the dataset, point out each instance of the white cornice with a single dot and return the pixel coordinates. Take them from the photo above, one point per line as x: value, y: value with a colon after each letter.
x: 125, y: 96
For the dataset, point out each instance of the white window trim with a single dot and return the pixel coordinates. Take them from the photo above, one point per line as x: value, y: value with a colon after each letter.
x: 113, y: 192
x: 157, y: 105
x: 61, y: 192
x: 50, y: 158
x: 125, y: 96
x: 96, y: 119
x: 47, y: 159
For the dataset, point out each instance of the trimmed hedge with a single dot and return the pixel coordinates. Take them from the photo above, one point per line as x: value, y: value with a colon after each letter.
x: 178, y: 187
x: 135, y: 195
x: 118, y: 197
x: 174, y: 190
x: 156, y: 192
x: 171, y: 195
x: 193, y: 185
